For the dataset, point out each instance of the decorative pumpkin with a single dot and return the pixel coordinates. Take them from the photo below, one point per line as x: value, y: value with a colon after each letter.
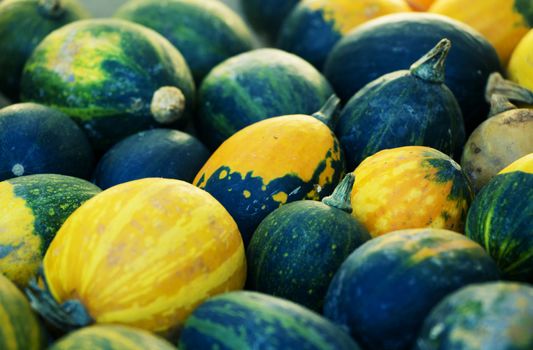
x: 267, y: 16
x: 500, y: 140
x: 33, y: 208
x: 314, y: 26
x: 494, y: 315
x: 36, y: 139
x: 249, y: 320
x: 254, y: 86
x: 501, y: 219
x: 404, y: 108
x: 112, y: 76
x: 23, y: 24
x: 520, y: 65
x: 394, y: 42
x: 111, y: 337
x: 271, y: 163
x: 420, y: 5
x: 410, y: 187
x: 144, y: 253
x: 385, y: 289
x: 502, y: 22
x: 154, y: 153
x: 19, y: 328
x: 205, y: 32
x: 298, y: 247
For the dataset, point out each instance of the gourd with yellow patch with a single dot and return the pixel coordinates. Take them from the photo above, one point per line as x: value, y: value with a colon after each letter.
x: 502, y: 22
x: 500, y: 140
x: 33, y: 208
x: 273, y: 162
x: 314, y: 26
x: 385, y: 289
x: 501, y: 219
x: 410, y: 187
x: 144, y: 254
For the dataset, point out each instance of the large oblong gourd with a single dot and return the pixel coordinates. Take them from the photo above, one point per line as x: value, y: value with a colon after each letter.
x: 386, y: 288
x: 254, y: 86
x: 20, y: 328
x: 111, y: 337
x: 112, y: 76
x: 23, y: 24
x: 410, y: 187
x: 315, y: 26
x: 404, y: 108
x: 143, y: 254
x: 500, y: 140
x: 501, y: 219
x: 205, y: 32
x: 33, y: 208
x: 502, y: 22
x: 273, y: 162
x: 489, y: 316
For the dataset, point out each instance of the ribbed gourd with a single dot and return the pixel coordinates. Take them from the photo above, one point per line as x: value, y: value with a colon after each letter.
x: 143, y: 254
x: 501, y: 219
x: 113, y: 77
x: 404, y: 108
x: 410, y: 187
x: 273, y: 162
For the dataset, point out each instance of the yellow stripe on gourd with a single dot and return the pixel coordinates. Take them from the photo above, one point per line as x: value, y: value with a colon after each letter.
x: 524, y: 164
x: 21, y: 246
x: 347, y: 14
x: 425, y: 253
x: 7, y: 329
x: 274, y: 148
x: 144, y: 253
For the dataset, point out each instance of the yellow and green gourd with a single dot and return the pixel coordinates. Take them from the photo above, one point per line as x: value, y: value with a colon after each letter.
x: 111, y: 337
x: 33, y: 208
x: 273, y: 162
x: 19, y: 327
x: 410, y: 187
x: 143, y: 254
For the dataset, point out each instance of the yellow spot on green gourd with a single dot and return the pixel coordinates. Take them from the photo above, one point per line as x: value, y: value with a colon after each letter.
x: 223, y: 174
x: 246, y: 194
x: 280, y: 197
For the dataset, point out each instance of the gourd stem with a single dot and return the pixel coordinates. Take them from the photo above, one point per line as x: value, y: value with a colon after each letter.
x: 51, y: 8
x: 329, y: 111
x: 342, y: 195
x: 498, y: 85
x: 168, y: 105
x: 68, y: 316
x: 431, y: 67
x: 499, y: 104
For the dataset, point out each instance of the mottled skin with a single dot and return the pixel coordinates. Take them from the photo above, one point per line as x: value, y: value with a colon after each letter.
x: 313, y: 28
x: 35, y: 139
x: 250, y: 320
x: 103, y: 73
x: 205, y: 32
x: 501, y: 220
x: 267, y: 16
x: 385, y: 289
x: 23, y: 24
x: 270, y: 163
x: 171, y: 154
x: 496, y: 143
x: 488, y: 316
x: 394, y: 42
x: 397, y: 110
x: 48, y: 200
x: 20, y: 328
x: 111, y: 337
x: 297, y: 248
x: 254, y: 86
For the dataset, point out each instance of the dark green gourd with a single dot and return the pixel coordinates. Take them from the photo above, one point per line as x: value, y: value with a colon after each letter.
x: 205, y: 32
x: 266, y: 16
x: 297, y: 248
x: 23, y: 24
x: 404, y: 108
